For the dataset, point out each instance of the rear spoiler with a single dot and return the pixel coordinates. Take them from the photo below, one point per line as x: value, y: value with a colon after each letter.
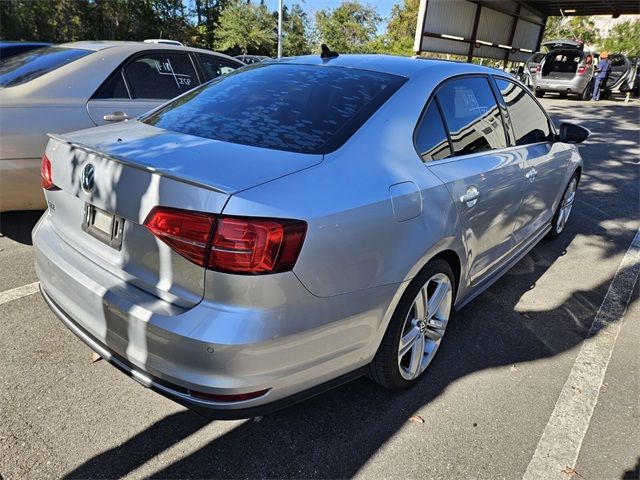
x: 124, y: 161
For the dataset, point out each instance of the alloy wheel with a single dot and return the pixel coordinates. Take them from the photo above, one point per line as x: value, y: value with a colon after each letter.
x: 424, y: 326
x: 566, y: 205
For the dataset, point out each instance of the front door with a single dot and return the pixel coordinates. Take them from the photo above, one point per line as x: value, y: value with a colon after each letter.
x: 545, y: 161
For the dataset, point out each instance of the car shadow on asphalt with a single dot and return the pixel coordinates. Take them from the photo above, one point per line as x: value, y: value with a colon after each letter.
x: 335, y: 434
x: 17, y: 226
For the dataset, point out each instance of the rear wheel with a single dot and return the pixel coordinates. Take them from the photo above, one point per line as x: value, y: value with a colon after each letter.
x: 561, y: 216
x: 416, y: 328
x: 587, y: 92
x: 539, y: 93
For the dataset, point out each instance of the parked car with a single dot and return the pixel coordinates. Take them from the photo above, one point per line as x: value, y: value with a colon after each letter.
x: 568, y: 69
x: 9, y: 49
x: 530, y: 67
x: 298, y: 223
x: 79, y: 85
x: 249, y: 59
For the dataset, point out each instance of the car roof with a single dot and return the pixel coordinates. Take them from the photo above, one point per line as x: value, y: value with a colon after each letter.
x: 392, y: 64
x: 97, y: 45
x: 133, y: 47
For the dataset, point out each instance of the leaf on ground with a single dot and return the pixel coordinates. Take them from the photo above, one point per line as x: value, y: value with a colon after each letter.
x: 417, y: 419
x: 571, y: 472
x: 95, y: 357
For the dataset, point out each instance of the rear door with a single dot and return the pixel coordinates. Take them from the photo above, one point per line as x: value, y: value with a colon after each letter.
x: 545, y: 161
x: 485, y: 179
x: 144, y: 82
x: 620, y: 69
x: 213, y: 65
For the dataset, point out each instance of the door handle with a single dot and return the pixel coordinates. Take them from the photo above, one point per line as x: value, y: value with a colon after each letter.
x: 116, y: 117
x: 470, y: 198
x: 531, y: 174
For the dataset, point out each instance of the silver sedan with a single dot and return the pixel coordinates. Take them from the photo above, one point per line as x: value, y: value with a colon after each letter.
x: 80, y: 85
x: 298, y: 223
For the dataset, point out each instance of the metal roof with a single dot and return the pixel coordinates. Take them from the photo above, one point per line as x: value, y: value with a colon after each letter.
x: 583, y: 7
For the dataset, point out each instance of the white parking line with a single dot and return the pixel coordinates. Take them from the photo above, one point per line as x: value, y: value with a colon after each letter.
x: 561, y: 440
x: 19, y: 292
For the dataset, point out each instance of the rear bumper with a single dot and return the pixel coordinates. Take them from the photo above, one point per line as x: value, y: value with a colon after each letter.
x: 181, y: 395
x: 212, y: 348
x: 562, y: 86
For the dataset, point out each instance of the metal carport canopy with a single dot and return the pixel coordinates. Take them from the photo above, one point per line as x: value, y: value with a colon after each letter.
x: 500, y: 29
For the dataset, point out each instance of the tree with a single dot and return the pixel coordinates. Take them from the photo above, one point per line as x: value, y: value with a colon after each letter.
x: 574, y: 28
x: 295, y: 26
x: 401, y: 29
x: 246, y: 28
x: 349, y: 27
x: 624, y: 38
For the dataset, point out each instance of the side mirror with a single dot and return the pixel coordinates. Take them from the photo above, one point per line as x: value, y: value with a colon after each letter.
x: 570, y: 133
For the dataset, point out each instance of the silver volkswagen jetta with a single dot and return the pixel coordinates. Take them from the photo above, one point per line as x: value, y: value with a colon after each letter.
x: 296, y: 224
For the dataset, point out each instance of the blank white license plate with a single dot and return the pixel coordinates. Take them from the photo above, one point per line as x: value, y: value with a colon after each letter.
x: 104, y: 226
x: 103, y: 221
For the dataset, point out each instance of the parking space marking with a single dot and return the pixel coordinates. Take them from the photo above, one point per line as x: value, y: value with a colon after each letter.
x: 19, y: 292
x: 561, y: 440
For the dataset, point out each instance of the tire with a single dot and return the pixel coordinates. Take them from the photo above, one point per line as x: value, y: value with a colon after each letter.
x: 563, y: 94
x: 560, y: 218
x: 539, y: 93
x: 587, y: 92
x: 420, y: 328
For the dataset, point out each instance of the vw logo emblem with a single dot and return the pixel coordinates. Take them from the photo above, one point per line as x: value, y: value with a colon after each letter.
x: 87, y: 181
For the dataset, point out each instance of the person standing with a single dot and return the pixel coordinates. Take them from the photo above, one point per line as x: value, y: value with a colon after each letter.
x: 602, y: 73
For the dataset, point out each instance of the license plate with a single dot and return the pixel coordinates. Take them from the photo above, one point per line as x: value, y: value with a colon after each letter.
x: 104, y: 226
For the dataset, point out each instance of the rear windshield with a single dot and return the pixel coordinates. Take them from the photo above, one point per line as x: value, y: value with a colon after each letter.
x: 34, y: 63
x: 297, y: 108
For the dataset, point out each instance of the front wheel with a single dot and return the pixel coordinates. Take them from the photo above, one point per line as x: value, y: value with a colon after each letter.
x: 416, y: 328
x: 539, y: 93
x: 563, y: 211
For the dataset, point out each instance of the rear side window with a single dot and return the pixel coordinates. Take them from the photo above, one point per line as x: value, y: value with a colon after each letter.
x: 160, y: 76
x: 214, y: 67
x: 529, y: 122
x: 298, y: 108
x: 472, y: 115
x: 114, y: 87
x: 431, y: 138
x: 35, y: 63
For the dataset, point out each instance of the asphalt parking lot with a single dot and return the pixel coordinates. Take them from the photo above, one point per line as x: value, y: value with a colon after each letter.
x: 511, y: 385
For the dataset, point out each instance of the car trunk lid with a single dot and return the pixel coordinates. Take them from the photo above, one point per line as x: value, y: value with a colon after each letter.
x: 136, y: 167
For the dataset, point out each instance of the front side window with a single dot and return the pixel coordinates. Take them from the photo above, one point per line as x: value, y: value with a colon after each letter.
x: 298, y: 108
x: 27, y: 66
x: 431, y: 138
x: 472, y: 115
x: 214, y: 67
x: 530, y: 124
x: 160, y: 76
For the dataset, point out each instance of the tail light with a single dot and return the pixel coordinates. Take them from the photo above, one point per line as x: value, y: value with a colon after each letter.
x: 538, y: 68
x: 229, y: 244
x: 45, y: 175
x: 582, y: 69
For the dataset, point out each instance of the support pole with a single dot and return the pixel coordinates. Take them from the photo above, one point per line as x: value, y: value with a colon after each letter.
x: 279, y: 28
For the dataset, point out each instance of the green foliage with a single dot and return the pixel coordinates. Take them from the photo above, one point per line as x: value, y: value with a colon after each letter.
x: 572, y: 28
x: 295, y: 26
x: 349, y: 28
x: 246, y: 28
x: 401, y: 29
x: 624, y: 38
